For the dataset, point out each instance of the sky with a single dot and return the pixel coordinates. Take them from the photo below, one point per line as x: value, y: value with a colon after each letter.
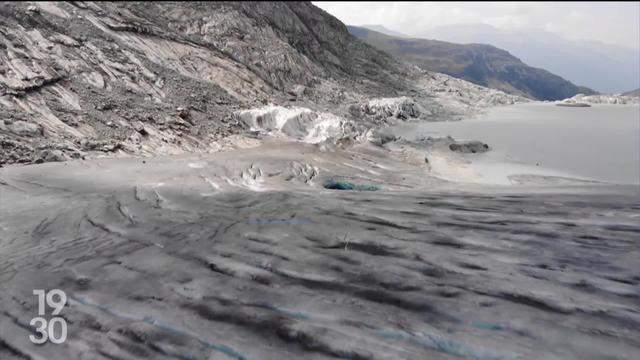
x: 610, y: 22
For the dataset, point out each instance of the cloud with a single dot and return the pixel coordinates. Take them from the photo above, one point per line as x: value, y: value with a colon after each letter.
x: 611, y: 22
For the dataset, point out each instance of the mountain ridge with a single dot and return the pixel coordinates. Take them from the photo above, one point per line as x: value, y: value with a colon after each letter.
x: 603, y: 67
x: 481, y: 64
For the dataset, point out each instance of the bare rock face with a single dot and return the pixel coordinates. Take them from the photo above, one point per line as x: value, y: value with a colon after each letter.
x: 52, y: 155
x: 21, y: 128
x: 117, y: 72
x: 166, y: 78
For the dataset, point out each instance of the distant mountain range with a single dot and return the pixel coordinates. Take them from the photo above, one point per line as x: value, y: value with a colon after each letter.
x: 635, y: 92
x: 484, y: 65
x: 385, y: 30
x: 604, y: 67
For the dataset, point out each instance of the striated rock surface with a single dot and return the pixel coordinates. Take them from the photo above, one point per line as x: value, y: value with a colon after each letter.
x: 108, y: 79
x: 167, y: 77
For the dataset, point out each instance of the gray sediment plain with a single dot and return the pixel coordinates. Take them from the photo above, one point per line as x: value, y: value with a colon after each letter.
x: 245, y: 255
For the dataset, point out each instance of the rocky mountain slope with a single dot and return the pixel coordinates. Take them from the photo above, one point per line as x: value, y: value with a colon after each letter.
x: 384, y: 30
x: 481, y: 64
x: 604, y: 67
x: 85, y: 79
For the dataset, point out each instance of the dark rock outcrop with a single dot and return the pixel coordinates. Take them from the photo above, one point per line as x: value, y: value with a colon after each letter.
x: 467, y: 147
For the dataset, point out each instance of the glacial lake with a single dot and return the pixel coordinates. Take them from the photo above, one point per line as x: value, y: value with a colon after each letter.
x: 600, y: 143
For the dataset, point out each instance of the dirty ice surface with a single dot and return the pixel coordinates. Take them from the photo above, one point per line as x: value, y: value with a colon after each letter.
x: 246, y: 255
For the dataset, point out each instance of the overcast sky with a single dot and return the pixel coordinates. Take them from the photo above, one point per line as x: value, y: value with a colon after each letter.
x: 611, y: 22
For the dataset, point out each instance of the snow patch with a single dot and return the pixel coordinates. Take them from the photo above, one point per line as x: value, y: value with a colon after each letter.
x: 298, y: 123
x: 601, y: 99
